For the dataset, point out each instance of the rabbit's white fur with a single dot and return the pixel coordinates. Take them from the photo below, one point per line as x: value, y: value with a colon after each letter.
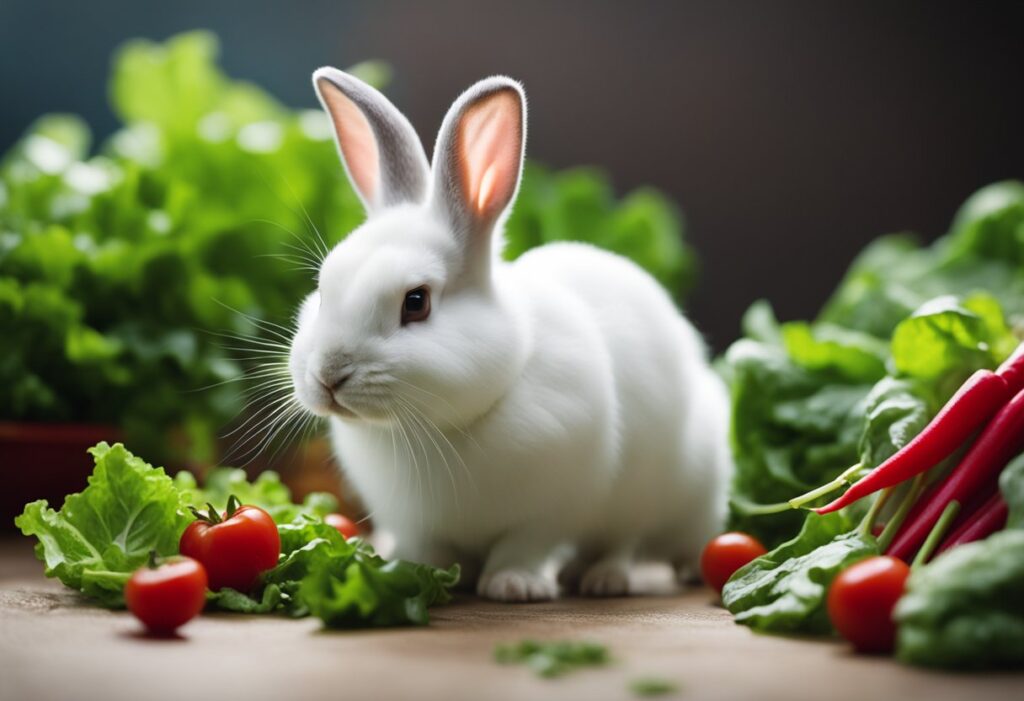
x: 551, y: 408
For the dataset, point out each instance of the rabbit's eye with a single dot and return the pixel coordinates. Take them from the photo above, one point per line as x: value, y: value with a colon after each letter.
x: 416, y: 306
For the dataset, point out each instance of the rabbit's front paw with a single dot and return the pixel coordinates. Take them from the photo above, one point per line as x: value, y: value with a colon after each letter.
x: 517, y: 585
x: 606, y: 578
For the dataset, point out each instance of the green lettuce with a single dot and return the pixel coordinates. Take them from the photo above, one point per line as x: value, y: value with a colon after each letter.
x: 555, y: 658
x: 104, y: 533
x: 810, y: 400
x: 130, y: 509
x: 784, y: 590
x: 965, y: 609
x: 267, y: 491
x: 1011, y: 484
x: 342, y: 582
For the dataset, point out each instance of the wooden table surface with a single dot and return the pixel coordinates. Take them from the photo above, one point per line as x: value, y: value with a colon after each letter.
x: 54, y: 646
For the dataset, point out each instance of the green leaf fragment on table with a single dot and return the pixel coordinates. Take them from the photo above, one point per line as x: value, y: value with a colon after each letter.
x: 784, y: 591
x: 793, y: 428
x: 553, y: 658
x: 102, y: 534
x: 965, y: 610
x: 652, y: 686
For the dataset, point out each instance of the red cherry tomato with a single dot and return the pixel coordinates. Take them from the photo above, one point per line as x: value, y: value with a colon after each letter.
x: 725, y: 554
x: 234, y: 549
x: 168, y: 595
x: 344, y: 525
x: 861, y: 600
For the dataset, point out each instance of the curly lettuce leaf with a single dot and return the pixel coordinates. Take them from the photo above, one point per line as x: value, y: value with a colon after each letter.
x: 102, y: 534
x: 344, y: 583
x: 267, y: 491
x: 784, y: 591
x: 965, y: 610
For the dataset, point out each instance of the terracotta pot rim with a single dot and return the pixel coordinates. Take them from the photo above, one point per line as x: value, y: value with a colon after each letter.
x: 39, y: 432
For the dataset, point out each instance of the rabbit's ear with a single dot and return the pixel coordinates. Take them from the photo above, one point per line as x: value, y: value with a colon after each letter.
x: 478, y: 158
x: 380, y: 150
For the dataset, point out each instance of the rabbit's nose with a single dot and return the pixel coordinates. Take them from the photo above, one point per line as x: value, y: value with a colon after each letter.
x: 333, y: 381
x: 339, y: 381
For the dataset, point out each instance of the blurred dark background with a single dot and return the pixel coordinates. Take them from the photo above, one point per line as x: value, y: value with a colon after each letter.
x: 791, y: 133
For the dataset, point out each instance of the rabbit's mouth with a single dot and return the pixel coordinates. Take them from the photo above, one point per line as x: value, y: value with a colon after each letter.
x: 341, y: 410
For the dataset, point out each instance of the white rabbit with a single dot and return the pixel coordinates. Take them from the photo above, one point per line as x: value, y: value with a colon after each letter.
x: 507, y: 416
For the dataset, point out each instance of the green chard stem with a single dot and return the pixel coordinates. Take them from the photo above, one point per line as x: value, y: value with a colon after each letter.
x: 916, y: 487
x: 749, y: 508
x: 936, y: 535
x: 844, y: 479
x: 876, y: 506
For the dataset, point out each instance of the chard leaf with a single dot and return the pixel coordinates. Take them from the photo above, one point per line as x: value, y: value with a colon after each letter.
x: 965, y: 610
x: 949, y: 338
x: 102, y: 534
x: 1011, y: 484
x: 853, y: 355
x: 895, y: 412
x: 792, y: 429
x: 784, y: 591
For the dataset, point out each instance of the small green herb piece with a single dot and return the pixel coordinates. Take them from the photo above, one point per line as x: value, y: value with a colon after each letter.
x: 652, y: 686
x: 553, y: 659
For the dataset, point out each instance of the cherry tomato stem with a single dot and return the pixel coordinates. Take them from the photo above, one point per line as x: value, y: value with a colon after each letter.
x: 236, y: 549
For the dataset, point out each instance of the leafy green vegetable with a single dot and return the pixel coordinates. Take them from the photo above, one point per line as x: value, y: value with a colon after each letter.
x: 267, y: 491
x: 793, y: 428
x: 784, y: 591
x: 1011, y: 484
x: 652, y: 686
x: 120, y: 263
x: 903, y: 331
x: 966, y: 608
x: 947, y: 338
x: 894, y: 412
x: 344, y: 583
x: 353, y: 587
x: 101, y: 535
x: 553, y: 659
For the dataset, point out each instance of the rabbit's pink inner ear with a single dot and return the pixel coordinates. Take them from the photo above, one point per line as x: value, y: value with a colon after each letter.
x: 355, y: 140
x: 490, y: 146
